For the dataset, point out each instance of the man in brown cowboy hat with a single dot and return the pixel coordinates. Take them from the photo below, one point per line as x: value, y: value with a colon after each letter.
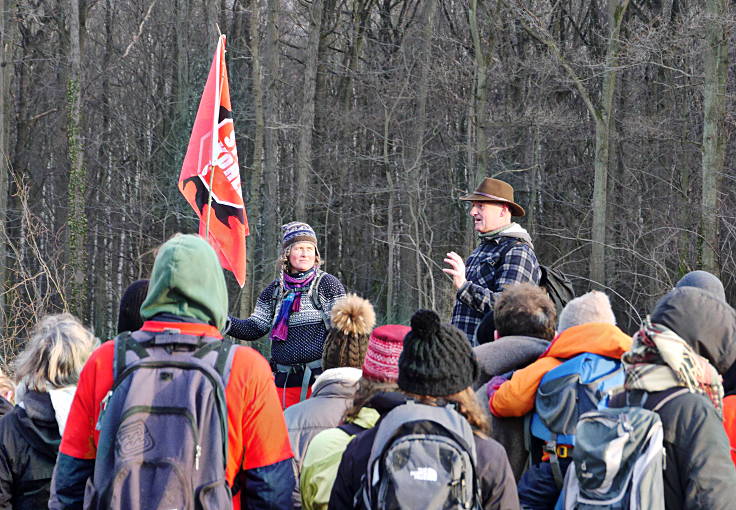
x: 505, y: 255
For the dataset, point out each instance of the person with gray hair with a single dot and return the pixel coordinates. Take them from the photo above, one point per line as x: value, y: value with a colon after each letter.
x: 47, y: 371
x: 586, y: 325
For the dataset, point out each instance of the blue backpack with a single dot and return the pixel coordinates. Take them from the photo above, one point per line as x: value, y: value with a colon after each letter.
x: 566, y: 392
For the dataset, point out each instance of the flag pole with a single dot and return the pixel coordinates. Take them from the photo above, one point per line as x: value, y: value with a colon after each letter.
x: 215, y: 138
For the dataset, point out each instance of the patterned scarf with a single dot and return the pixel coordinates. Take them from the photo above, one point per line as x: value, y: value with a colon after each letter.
x: 294, y: 287
x: 659, y: 359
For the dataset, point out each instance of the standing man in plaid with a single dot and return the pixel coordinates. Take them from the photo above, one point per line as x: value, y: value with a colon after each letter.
x: 504, y: 256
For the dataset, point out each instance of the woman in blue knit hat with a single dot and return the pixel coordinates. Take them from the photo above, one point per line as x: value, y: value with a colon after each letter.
x: 295, y: 310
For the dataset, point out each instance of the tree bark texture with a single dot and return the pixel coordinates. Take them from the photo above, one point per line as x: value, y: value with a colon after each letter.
x: 714, y: 116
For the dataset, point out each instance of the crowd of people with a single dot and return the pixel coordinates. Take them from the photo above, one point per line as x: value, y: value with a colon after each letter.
x: 486, y: 411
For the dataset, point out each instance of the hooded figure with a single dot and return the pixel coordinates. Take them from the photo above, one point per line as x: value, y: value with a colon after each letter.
x: 187, y: 292
x: 687, y: 343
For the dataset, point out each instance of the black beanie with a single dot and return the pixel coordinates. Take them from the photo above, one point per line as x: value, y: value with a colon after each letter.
x: 437, y: 360
x: 129, y: 318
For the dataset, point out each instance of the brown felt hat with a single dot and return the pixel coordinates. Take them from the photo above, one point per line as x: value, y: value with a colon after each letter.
x: 493, y: 190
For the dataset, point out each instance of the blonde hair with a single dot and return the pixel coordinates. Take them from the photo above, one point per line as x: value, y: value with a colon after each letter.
x: 55, y: 353
x: 6, y: 384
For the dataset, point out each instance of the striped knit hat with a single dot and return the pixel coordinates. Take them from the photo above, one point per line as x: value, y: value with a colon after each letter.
x: 381, y: 362
x: 296, y: 232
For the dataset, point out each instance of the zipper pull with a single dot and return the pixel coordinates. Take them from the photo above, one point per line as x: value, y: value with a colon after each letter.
x: 197, y: 454
x: 103, y: 406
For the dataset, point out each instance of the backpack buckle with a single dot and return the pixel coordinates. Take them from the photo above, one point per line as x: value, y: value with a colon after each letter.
x: 563, y: 451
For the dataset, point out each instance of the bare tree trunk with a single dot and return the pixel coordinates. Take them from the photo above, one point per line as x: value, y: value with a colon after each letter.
x: 6, y: 71
x: 413, y: 175
x: 602, y: 115
x: 603, y: 122
x: 271, y: 154
x: 483, y: 51
x: 714, y: 115
x: 389, y: 317
x: 77, y: 191
x: 255, y: 202
x: 306, y: 119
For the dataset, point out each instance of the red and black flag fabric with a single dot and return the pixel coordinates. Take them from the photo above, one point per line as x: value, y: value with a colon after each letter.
x: 210, y: 175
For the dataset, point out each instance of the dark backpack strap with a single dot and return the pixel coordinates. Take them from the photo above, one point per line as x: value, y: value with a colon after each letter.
x: 317, y: 301
x: 222, y: 356
x: 351, y: 428
x: 124, y: 342
x: 655, y: 404
x: 507, y: 247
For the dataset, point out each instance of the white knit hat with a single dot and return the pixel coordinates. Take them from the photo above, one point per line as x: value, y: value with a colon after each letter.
x: 591, y: 307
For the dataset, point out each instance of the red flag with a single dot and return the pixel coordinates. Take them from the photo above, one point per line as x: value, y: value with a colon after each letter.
x: 210, y: 175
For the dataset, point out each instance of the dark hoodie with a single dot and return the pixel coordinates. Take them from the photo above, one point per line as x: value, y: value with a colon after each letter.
x: 29, y: 442
x: 699, y: 473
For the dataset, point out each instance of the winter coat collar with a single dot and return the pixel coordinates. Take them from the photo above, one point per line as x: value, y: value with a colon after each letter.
x: 385, y: 401
x: 37, y: 420
x: 514, y: 230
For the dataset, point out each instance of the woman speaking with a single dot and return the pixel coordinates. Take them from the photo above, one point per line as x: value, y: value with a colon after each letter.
x: 295, y: 309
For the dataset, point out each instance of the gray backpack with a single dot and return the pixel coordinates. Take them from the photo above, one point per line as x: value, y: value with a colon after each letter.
x: 618, y: 460
x: 163, y: 427
x: 423, y: 457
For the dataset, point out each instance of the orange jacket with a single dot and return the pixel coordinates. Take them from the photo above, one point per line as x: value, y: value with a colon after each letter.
x: 729, y: 422
x: 516, y: 396
x: 257, y: 434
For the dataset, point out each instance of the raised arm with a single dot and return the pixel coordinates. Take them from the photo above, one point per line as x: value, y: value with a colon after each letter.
x: 259, y: 323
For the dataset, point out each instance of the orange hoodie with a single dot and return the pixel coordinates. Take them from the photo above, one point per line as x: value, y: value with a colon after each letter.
x: 516, y: 396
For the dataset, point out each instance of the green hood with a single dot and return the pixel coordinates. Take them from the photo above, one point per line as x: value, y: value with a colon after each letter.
x: 187, y: 281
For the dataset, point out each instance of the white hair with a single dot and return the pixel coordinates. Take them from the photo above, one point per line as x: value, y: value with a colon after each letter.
x: 591, y: 307
x: 55, y: 353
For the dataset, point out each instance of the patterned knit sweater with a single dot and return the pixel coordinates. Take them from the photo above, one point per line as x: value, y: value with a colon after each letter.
x: 307, y: 330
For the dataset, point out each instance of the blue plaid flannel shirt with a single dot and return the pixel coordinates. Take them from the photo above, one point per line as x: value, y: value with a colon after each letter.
x: 486, y: 277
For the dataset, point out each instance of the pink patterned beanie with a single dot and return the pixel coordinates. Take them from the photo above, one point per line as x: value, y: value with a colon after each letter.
x: 384, y: 348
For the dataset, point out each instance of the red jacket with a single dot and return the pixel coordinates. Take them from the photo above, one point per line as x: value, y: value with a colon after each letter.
x: 257, y: 434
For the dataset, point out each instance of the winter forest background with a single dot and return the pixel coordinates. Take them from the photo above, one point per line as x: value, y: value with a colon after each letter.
x: 367, y: 118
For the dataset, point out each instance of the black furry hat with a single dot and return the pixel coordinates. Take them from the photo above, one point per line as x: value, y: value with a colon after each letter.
x: 437, y: 360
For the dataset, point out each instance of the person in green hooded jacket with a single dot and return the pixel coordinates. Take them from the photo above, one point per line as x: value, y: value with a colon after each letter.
x: 187, y: 292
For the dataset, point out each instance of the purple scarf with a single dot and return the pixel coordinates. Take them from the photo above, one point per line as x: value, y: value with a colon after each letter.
x: 294, y: 287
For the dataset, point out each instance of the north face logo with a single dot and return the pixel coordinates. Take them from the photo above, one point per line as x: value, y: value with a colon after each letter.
x: 425, y: 474
x: 133, y: 439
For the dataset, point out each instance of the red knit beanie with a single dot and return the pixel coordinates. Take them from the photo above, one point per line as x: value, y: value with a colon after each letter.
x: 384, y: 348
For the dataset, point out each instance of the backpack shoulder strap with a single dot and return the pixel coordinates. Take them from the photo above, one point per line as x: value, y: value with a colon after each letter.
x: 125, y: 342
x: 351, y: 428
x: 316, y: 298
x: 507, y: 247
x: 665, y: 398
